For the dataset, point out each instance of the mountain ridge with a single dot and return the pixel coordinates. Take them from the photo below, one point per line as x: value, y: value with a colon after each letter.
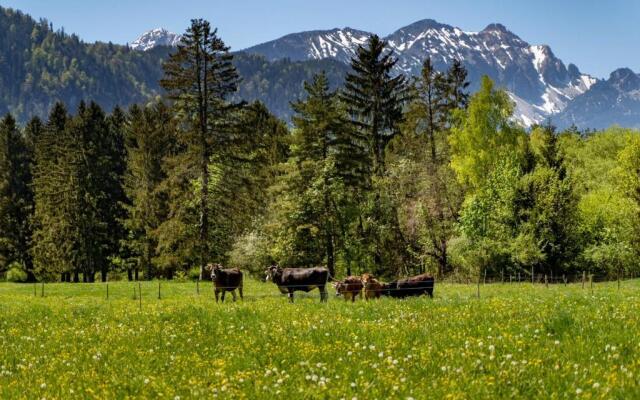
x: 540, y: 83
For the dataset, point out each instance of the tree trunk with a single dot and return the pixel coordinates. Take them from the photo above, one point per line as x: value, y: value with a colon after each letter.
x: 136, y: 274
x: 129, y: 274
x: 76, y: 276
x: 330, y: 255
x: 103, y: 274
x: 149, y: 269
x: 204, y: 214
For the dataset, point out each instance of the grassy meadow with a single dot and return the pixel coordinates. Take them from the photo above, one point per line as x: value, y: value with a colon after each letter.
x: 516, y: 341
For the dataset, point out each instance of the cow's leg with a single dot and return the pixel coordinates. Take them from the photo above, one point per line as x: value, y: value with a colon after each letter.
x: 223, y: 293
x: 290, y: 295
x: 233, y: 293
x: 323, y: 293
x: 217, y: 292
x: 240, y: 292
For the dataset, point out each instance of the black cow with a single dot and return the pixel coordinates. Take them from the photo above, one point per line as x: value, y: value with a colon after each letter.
x: 226, y: 280
x: 413, y: 286
x: 290, y: 280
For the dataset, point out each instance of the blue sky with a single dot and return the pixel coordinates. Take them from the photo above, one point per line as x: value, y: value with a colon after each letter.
x: 598, y: 36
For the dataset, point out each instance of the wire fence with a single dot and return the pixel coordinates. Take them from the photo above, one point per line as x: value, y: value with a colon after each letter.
x: 155, y: 290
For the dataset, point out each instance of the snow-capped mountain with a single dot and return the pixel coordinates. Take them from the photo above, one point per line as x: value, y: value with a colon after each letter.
x: 615, y: 100
x: 340, y: 44
x: 155, y: 37
x: 539, y: 83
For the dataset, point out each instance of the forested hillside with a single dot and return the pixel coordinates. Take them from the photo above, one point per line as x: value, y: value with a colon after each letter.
x: 40, y: 66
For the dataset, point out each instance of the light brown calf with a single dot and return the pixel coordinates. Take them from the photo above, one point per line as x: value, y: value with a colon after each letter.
x: 372, y: 287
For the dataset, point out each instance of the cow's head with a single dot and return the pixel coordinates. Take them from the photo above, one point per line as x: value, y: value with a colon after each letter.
x: 215, y: 271
x: 272, y: 273
x: 340, y: 287
x: 366, y: 277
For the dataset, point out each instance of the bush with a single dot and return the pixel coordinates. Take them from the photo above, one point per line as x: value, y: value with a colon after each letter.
x: 16, y: 273
x: 194, y: 273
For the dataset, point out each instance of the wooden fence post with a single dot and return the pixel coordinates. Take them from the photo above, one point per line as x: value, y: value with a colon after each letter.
x: 485, y: 277
x: 198, y: 287
x: 478, y: 286
x: 159, y: 297
x: 42, y: 290
x: 140, y: 295
x: 546, y: 282
x: 564, y: 279
x: 532, y: 275
x: 583, y: 278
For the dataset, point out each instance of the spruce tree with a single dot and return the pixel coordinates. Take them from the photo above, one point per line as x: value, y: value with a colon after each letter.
x: 149, y: 140
x: 55, y: 191
x: 199, y: 78
x: 320, y: 124
x: 375, y: 98
x: 16, y: 197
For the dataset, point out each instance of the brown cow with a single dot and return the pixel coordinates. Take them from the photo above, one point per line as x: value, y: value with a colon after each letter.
x: 350, y: 288
x: 226, y: 280
x: 372, y: 287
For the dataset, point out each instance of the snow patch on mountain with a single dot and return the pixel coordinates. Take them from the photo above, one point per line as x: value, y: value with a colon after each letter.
x: 155, y: 37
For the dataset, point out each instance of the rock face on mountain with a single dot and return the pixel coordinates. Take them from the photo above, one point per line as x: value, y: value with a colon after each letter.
x: 612, y: 101
x: 339, y: 44
x: 154, y: 38
x: 539, y: 83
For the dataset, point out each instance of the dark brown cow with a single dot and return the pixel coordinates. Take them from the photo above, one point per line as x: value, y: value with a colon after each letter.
x: 372, y: 287
x: 350, y: 287
x: 226, y: 280
x: 413, y: 286
x: 290, y: 280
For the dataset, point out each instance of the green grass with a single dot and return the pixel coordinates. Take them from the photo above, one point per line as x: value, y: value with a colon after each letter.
x: 516, y: 341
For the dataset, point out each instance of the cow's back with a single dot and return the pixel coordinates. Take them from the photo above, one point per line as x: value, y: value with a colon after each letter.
x: 305, y: 276
x: 229, y: 278
x: 416, y: 285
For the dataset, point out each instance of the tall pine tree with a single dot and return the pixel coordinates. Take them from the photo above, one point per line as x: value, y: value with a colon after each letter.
x: 149, y: 140
x: 16, y: 197
x: 199, y: 78
x: 375, y: 98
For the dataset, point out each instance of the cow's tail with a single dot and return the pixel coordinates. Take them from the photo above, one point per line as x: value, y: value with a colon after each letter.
x: 330, y: 278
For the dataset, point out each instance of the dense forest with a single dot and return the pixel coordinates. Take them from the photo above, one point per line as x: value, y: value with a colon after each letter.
x: 40, y: 66
x: 377, y: 173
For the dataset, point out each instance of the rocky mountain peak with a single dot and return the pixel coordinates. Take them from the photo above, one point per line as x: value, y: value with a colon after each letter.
x: 495, y: 27
x: 624, y: 79
x: 154, y: 38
